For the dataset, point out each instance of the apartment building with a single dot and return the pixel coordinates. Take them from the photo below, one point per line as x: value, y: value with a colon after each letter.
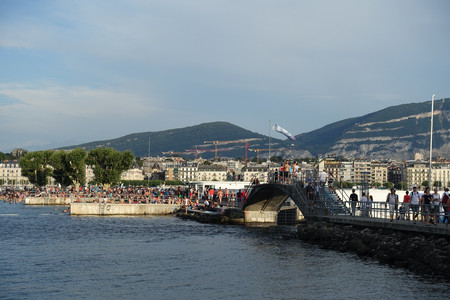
x: 188, y: 171
x: 417, y: 173
x: 211, y: 173
x: 379, y: 172
x: 249, y: 173
x: 11, y: 174
x: 362, y: 171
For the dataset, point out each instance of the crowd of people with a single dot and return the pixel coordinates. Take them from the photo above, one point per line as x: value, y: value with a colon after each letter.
x: 430, y: 208
x: 194, y: 198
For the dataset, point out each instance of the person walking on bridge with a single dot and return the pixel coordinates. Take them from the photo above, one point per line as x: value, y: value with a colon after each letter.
x: 415, y: 201
x: 392, y: 199
x: 323, y: 176
x: 354, y: 198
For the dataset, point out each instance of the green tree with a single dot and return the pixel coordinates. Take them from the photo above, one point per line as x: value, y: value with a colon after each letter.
x: 36, y: 167
x: 401, y: 185
x: 139, y: 162
x: 69, y: 168
x: 388, y: 184
x: 437, y: 184
x: 108, y: 164
x: 377, y: 184
x: 425, y: 183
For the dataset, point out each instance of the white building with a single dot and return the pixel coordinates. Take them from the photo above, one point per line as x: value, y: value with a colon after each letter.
x: 188, y: 172
x: 417, y: 173
x: 132, y: 174
x: 11, y: 174
x: 347, y: 173
x: 211, y: 173
x: 251, y: 172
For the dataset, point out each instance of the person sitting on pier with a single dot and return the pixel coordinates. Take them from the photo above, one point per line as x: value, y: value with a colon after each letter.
x: 205, y: 204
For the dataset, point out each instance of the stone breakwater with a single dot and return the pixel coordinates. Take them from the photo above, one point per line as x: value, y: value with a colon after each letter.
x: 423, y: 254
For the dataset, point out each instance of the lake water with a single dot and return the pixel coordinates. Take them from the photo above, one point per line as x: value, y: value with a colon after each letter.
x: 45, y: 254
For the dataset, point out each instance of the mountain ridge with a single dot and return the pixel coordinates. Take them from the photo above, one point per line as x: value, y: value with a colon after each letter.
x: 395, y: 132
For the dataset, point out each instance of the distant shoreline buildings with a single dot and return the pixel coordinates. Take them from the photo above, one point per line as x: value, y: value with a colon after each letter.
x: 373, y: 172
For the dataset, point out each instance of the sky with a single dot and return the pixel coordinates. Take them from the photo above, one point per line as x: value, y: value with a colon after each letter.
x: 81, y: 71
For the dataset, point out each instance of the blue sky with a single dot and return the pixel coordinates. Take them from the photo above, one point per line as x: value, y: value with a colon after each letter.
x: 79, y: 71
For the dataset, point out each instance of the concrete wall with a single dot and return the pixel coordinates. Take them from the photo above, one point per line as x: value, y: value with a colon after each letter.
x: 47, y: 201
x: 111, y: 209
x: 261, y: 217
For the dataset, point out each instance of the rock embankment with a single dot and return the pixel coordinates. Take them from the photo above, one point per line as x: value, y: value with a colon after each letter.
x: 424, y: 254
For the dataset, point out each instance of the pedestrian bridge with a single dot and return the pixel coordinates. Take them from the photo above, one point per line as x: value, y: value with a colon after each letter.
x: 265, y: 201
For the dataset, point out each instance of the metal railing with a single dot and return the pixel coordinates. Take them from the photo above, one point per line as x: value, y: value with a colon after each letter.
x: 422, y: 213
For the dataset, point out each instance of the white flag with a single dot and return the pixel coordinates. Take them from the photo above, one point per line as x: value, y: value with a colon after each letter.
x: 283, y: 131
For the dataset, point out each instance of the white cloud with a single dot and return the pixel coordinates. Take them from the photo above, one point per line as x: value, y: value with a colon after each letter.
x: 53, y: 110
x: 109, y: 65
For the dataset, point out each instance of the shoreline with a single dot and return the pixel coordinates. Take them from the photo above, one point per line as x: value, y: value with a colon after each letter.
x: 425, y: 254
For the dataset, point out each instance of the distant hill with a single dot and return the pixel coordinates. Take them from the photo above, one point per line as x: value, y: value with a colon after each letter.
x: 395, y: 132
x: 180, y: 139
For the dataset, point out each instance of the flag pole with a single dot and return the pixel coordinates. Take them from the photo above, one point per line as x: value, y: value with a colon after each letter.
x: 431, y: 138
x: 270, y: 142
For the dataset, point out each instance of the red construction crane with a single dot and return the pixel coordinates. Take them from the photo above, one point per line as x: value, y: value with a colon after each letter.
x: 196, y: 151
x: 263, y: 150
x: 231, y: 142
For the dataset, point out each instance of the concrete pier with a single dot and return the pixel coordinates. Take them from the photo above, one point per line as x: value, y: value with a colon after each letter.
x: 261, y: 217
x: 47, y: 201
x: 114, y: 209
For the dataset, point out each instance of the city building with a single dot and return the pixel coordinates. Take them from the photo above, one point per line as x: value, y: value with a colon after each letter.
x: 132, y: 174
x: 250, y: 173
x: 211, y: 173
x: 362, y: 171
x: 11, y: 174
x: 346, y: 172
x: 188, y: 171
x: 396, y: 173
x: 379, y: 172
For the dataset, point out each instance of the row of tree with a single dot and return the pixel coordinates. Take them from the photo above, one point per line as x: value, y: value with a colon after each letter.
x: 69, y: 168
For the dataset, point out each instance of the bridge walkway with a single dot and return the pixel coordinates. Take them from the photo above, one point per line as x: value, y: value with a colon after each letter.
x: 334, y: 207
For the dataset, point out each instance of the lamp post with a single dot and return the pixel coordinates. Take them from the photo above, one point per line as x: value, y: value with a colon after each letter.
x: 431, y: 138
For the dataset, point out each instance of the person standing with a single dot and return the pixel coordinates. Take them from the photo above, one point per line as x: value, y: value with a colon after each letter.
x: 436, y: 206
x: 364, y: 204
x: 392, y: 199
x: 309, y: 190
x: 354, y: 199
x: 415, y: 202
x: 323, y: 178
x: 445, y: 201
x: 426, y: 204
x: 406, y: 202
